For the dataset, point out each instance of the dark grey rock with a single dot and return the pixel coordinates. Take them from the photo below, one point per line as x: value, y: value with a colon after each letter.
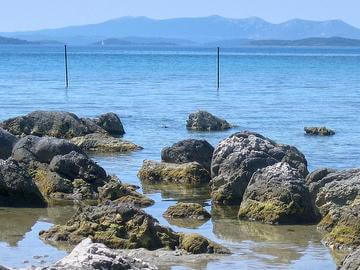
x: 7, y: 142
x: 204, y: 121
x: 322, y: 131
x: 111, y: 123
x: 277, y: 194
x: 236, y: 158
x: 17, y: 187
x: 351, y: 262
x: 42, y: 149
x: 188, y: 151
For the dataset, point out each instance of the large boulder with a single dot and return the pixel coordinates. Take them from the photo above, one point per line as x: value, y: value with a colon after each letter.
x: 42, y: 149
x: 7, y: 142
x: 277, y: 194
x: 351, y: 262
x: 99, y: 142
x: 205, y: 121
x: 17, y: 187
x: 55, y: 124
x: 111, y: 123
x: 187, y: 210
x: 188, y: 151
x: 236, y: 158
x: 90, y: 256
x: 188, y: 174
x: 124, y: 226
x: 337, y: 197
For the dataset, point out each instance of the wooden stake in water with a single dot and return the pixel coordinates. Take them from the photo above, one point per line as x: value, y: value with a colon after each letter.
x: 218, y: 68
x: 66, y: 69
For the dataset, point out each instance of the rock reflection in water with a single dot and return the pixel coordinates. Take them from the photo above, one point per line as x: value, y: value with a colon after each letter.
x: 179, y: 193
x: 273, y: 245
x: 189, y: 223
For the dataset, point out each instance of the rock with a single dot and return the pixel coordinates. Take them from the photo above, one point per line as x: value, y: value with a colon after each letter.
x: 42, y: 149
x: 116, y: 192
x: 7, y: 142
x: 204, y: 121
x: 236, y: 158
x: 351, y: 262
x: 88, y: 255
x: 4, y: 268
x: 123, y: 226
x: 75, y: 165
x: 55, y: 124
x: 111, y: 123
x: 120, y: 226
x: 197, y: 244
x: 188, y: 151
x: 189, y: 174
x: 277, y: 194
x: 322, y: 131
x: 99, y: 142
x: 187, y: 210
x: 317, y: 175
x: 337, y: 198
x: 17, y: 187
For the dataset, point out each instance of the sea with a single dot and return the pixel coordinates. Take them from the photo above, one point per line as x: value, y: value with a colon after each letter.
x: 274, y: 91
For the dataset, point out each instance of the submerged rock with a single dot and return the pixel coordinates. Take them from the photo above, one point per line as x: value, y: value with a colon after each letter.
x: 190, y: 174
x: 322, y: 131
x: 123, y: 226
x: 111, y: 123
x: 99, y: 142
x: 7, y: 142
x: 351, y: 262
x: 277, y: 194
x: 90, y: 256
x: 55, y: 124
x: 188, y: 151
x: 236, y: 158
x: 187, y: 210
x: 204, y: 121
x: 17, y: 187
x: 337, y: 198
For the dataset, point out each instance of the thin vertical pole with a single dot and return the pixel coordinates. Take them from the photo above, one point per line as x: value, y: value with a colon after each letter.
x: 218, y: 68
x: 66, y: 69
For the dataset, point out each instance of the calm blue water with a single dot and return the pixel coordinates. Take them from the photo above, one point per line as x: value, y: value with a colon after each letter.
x: 274, y: 91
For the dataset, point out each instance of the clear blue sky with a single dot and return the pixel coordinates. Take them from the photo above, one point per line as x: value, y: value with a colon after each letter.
x: 38, y: 14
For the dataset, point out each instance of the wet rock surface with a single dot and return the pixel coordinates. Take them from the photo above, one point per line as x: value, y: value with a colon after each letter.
x: 321, y: 131
x: 187, y: 210
x: 111, y: 123
x: 189, y: 174
x: 189, y: 151
x: 236, y: 158
x: 90, y: 256
x: 277, y: 194
x: 337, y: 198
x: 197, y: 244
x: 205, y: 121
x: 99, y: 142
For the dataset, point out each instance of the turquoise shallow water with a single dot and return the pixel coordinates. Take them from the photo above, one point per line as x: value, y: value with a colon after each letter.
x: 274, y: 91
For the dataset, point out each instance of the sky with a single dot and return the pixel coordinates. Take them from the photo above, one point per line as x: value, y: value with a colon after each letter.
x: 19, y: 15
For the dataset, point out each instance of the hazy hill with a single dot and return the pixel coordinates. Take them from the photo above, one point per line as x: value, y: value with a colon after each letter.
x: 204, y: 29
x: 139, y: 41
x: 13, y: 41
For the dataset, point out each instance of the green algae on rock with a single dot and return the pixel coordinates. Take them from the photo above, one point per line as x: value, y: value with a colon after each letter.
x: 197, y: 244
x: 187, y: 210
x: 189, y: 174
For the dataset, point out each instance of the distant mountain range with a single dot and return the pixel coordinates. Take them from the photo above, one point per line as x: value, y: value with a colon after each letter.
x: 139, y: 41
x: 16, y: 41
x: 201, y: 30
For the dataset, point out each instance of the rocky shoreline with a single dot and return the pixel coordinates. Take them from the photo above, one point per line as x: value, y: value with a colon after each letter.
x: 44, y: 161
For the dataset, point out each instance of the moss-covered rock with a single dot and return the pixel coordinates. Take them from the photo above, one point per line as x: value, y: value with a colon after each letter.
x: 190, y: 174
x: 187, y: 210
x: 197, y: 244
x: 205, y: 121
x: 98, y: 142
x: 278, y: 195
x: 116, y: 192
x: 322, y: 131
